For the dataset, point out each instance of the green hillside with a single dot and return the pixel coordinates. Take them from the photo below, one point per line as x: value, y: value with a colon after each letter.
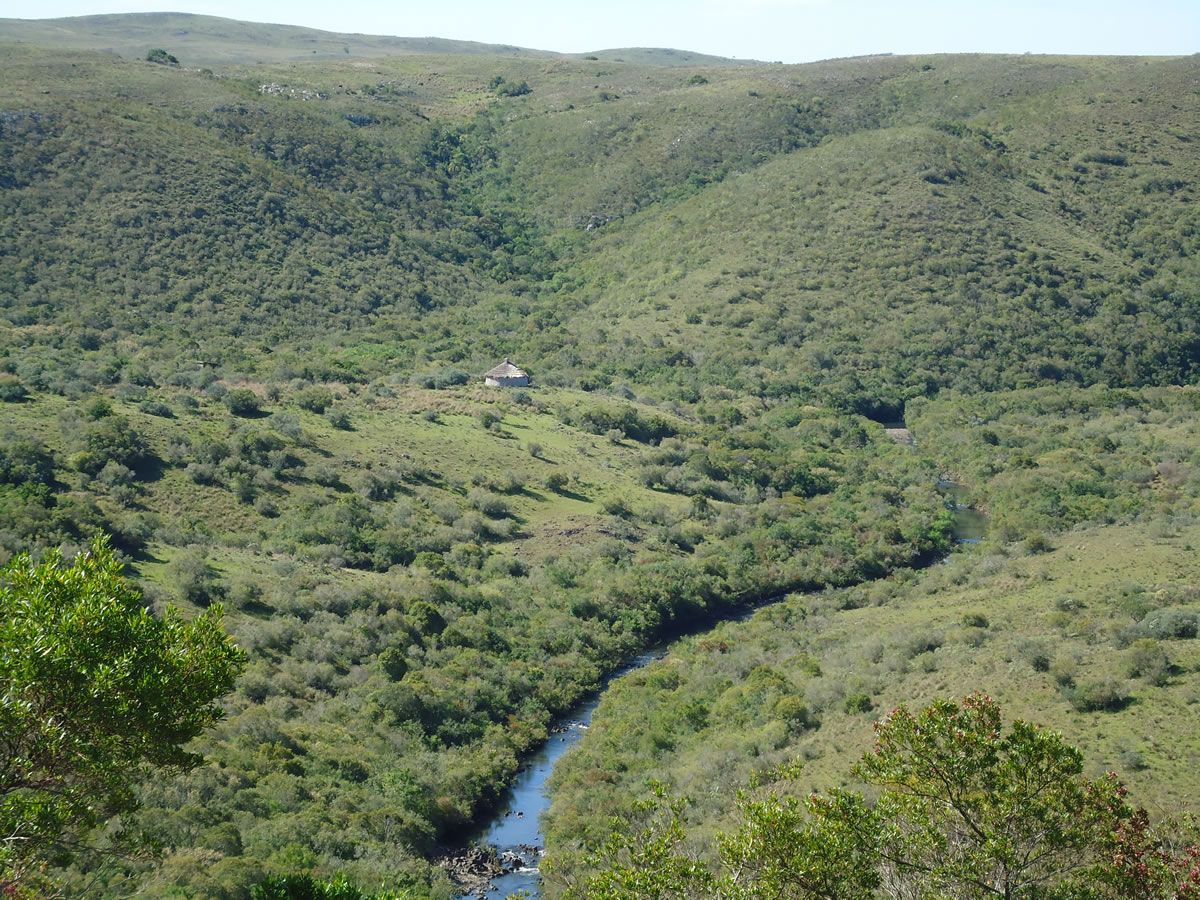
x: 246, y: 301
x: 1060, y: 628
x: 210, y: 41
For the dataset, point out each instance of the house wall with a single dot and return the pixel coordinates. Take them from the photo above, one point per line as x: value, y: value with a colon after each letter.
x: 522, y: 381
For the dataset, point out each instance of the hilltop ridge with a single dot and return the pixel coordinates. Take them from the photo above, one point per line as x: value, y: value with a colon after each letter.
x: 200, y: 40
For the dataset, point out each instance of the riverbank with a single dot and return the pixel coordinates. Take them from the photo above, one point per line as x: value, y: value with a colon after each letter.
x: 505, y: 856
x: 789, y: 697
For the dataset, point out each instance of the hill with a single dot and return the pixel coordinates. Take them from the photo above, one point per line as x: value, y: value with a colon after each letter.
x: 1075, y: 626
x: 211, y: 41
x: 197, y: 40
x: 243, y: 310
x: 918, y: 224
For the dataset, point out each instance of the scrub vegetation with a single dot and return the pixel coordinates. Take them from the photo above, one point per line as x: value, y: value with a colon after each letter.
x: 246, y: 301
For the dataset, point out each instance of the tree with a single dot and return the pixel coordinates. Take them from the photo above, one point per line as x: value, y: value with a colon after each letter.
x: 648, y: 864
x: 964, y: 809
x: 970, y: 810
x: 821, y: 848
x: 95, y: 693
x: 111, y: 439
x: 12, y: 390
x: 306, y: 887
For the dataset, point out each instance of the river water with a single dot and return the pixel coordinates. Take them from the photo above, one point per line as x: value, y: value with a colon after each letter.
x: 970, y: 525
x: 517, y: 826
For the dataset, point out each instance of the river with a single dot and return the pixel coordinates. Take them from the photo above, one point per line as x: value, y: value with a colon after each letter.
x: 970, y: 525
x: 516, y: 828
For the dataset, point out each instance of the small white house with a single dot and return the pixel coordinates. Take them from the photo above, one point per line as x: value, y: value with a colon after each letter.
x: 506, y: 375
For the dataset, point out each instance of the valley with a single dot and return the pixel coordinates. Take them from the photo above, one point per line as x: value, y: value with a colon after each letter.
x: 246, y: 304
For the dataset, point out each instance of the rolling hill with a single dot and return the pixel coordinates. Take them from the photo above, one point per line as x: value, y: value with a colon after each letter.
x: 245, y: 300
x: 210, y: 41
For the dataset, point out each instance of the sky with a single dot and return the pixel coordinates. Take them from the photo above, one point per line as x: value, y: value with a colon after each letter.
x: 782, y: 30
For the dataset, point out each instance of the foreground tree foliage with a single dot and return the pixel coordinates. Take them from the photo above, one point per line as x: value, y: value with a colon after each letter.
x: 95, y: 694
x: 962, y: 809
x: 306, y: 887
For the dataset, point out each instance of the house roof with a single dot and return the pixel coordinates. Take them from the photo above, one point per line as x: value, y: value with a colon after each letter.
x: 506, y: 370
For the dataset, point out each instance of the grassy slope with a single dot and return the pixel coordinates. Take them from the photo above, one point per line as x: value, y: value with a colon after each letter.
x: 289, y: 601
x: 845, y: 260
x: 1068, y: 603
x: 455, y: 448
x: 1050, y: 634
x: 210, y: 41
x: 888, y: 226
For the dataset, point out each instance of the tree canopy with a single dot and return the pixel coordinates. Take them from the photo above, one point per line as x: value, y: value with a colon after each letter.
x: 962, y: 808
x: 96, y: 693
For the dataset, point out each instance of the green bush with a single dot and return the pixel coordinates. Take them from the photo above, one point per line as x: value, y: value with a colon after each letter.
x: 1172, y: 623
x: 1100, y: 695
x: 161, y: 57
x: 315, y: 398
x: 858, y: 703
x: 339, y: 419
x: 1147, y: 660
x: 12, y: 390
x: 243, y: 402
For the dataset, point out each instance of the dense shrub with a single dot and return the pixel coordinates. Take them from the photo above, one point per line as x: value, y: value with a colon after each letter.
x: 243, y: 402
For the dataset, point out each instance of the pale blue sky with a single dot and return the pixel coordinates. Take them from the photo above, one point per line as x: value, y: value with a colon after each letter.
x: 787, y: 30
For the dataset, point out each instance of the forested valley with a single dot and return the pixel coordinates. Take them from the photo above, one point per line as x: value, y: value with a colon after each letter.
x: 782, y: 322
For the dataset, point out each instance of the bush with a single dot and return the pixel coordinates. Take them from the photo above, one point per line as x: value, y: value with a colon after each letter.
x: 1102, y: 695
x: 1170, y: 623
x: 505, y: 88
x: 443, y: 378
x: 1147, y: 659
x: 195, y: 579
x: 161, y: 57
x: 243, y: 402
x: 1037, y: 543
x: 24, y: 461
x: 1036, y: 654
x: 617, y: 506
x: 202, y: 473
x: 12, y: 390
x: 158, y: 408
x: 1106, y: 158
x: 339, y: 419
x: 266, y: 508
x: 98, y: 407
x: 858, y: 703
x: 315, y: 399
x: 110, y: 440
x: 491, y: 505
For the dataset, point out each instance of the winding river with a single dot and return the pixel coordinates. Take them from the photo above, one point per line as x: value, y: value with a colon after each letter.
x: 516, y: 831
